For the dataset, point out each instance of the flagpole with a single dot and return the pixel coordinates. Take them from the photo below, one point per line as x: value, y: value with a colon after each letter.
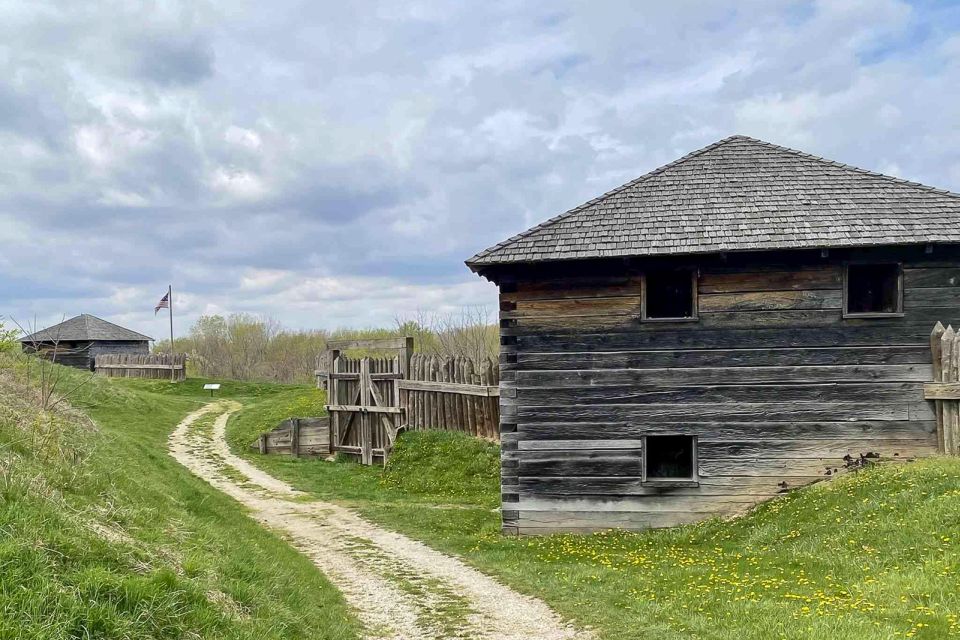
x: 173, y: 373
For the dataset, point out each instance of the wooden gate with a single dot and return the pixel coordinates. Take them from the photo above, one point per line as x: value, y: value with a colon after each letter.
x: 364, y: 396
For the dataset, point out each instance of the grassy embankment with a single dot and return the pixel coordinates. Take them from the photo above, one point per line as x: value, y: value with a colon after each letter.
x: 875, y: 554
x: 103, y: 535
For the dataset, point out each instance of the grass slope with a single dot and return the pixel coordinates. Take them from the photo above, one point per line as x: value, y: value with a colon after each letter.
x: 426, y: 467
x: 103, y: 535
x: 875, y: 554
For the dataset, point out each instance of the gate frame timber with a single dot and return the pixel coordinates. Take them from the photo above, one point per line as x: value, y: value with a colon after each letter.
x: 368, y: 405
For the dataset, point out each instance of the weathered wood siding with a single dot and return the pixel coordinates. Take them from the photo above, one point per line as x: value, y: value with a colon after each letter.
x: 82, y: 354
x: 297, y: 437
x: 775, y: 383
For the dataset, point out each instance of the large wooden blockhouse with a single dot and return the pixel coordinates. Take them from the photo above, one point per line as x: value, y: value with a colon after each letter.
x: 724, y: 328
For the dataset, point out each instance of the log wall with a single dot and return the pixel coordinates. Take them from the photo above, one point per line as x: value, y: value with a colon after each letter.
x: 82, y: 354
x: 776, y: 384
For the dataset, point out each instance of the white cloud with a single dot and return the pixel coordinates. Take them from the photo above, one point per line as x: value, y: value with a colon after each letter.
x: 335, y: 164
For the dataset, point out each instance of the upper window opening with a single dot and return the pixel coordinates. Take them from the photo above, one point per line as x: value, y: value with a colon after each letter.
x: 873, y: 289
x: 669, y: 458
x: 670, y: 295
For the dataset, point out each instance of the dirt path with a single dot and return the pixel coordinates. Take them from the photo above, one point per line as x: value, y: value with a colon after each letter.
x: 399, y: 587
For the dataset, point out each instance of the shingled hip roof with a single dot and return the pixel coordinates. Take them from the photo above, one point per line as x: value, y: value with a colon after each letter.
x: 85, y: 327
x: 740, y: 194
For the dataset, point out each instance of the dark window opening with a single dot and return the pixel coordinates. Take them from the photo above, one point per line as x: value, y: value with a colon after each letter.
x: 873, y: 288
x: 670, y: 294
x: 670, y: 458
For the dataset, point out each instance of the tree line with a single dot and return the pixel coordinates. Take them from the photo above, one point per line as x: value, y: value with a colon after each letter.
x: 247, y: 347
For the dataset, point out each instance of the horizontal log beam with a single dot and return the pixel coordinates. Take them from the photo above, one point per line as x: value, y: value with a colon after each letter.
x: 356, y: 408
x: 941, y: 391
x: 372, y: 344
x: 450, y: 387
x: 175, y: 367
x: 356, y: 376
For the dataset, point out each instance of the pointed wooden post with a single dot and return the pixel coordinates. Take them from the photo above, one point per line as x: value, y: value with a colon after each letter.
x: 936, y: 349
x: 951, y: 437
x: 366, y: 426
x: 948, y: 373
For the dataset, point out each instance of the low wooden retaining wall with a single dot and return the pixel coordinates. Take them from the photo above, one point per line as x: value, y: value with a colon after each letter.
x: 297, y: 437
x: 158, y: 366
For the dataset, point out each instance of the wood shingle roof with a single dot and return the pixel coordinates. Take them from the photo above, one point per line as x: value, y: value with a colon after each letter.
x: 85, y: 327
x: 740, y: 194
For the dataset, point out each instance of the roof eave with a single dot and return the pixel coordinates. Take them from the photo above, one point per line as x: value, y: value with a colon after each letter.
x: 484, y: 263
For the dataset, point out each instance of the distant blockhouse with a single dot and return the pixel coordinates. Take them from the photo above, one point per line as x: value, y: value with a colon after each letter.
x: 78, y: 341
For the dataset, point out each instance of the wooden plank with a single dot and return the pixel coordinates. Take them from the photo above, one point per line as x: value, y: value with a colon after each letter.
x: 931, y: 297
x: 831, y: 450
x: 574, y: 287
x: 828, y: 355
x: 625, y: 305
x: 937, y: 375
x: 829, y: 430
x: 827, y: 318
x: 724, y: 375
x: 573, y: 445
x: 941, y: 391
x: 638, y: 504
x: 373, y: 344
x: 628, y: 486
x: 884, y: 392
x: 165, y: 367
x: 373, y: 376
x: 295, y: 437
x: 830, y: 277
x: 783, y: 468
x: 931, y: 277
x: 771, y: 300
x: 449, y: 387
x: 580, y: 463
x: 546, y: 522
x: 951, y: 433
x: 348, y: 408
x: 723, y: 412
x: 948, y: 374
x: 914, y: 335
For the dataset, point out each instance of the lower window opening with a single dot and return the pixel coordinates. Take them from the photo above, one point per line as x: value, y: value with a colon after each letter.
x: 670, y: 458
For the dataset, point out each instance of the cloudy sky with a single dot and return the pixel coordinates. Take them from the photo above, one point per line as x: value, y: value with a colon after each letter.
x: 333, y: 164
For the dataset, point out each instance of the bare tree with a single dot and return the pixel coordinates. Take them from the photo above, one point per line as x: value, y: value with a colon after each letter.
x: 468, y: 332
x: 44, y: 352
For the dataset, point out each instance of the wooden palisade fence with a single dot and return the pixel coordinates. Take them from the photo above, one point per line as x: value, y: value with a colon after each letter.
x: 454, y: 394
x: 159, y: 366
x: 372, y: 398
x: 945, y: 389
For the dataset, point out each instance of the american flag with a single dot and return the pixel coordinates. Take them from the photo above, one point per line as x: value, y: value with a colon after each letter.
x: 163, y: 304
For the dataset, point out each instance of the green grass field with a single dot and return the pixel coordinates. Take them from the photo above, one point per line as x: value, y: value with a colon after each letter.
x: 103, y: 535
x: 874, y: 554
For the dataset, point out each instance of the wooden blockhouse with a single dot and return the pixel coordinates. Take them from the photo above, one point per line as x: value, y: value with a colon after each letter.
x: 78, y: 341
x: 724, y: 328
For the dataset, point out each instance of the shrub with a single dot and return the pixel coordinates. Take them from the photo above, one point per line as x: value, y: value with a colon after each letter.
x: 8, y: 338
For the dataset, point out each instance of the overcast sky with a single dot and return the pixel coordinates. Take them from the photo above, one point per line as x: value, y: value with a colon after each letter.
x: 333, y: 164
